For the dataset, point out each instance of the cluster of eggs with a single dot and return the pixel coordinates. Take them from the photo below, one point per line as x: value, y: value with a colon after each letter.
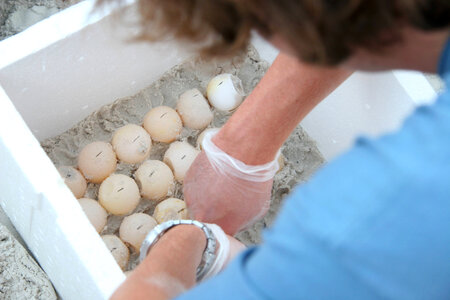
x: 153, y: 180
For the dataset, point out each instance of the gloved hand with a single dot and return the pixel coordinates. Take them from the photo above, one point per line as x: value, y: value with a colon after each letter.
x: 222, y: 190
x: 228, y: 248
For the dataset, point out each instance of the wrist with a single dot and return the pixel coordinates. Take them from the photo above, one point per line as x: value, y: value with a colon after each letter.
x: 236, y: 168
x: 169, y: 268
x: 285, y: 95
x: 241, y: 144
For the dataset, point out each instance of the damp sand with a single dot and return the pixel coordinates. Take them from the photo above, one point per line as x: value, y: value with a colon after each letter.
x: 302, y: 158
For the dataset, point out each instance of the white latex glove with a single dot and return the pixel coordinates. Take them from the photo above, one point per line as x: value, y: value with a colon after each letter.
x: 222, y: 190
x: 229, y: 166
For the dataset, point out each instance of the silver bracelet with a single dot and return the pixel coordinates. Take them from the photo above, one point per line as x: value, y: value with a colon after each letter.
x: 209, y: 255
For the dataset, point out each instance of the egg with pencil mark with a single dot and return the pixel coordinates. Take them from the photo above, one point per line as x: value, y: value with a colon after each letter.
x: 194, y: 110
x: 97, y: 161
x: 225, y: 92
x: 74, y: 180
x: 163, y: 124
x: 170, y: 209
x: 179, y: 157
x: 155, y: 180
x: 135, y: 228
x: 119, y: 194
x: 118, y: 250
x: 131, y: 143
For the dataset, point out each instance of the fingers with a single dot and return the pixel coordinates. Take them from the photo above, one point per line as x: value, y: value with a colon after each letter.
x: 233, y: 203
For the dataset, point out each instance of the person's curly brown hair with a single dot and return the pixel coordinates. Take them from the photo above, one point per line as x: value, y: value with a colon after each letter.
x: 321, y: 31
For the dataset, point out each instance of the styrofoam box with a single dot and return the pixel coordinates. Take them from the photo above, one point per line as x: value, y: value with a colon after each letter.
x: 57, y: 72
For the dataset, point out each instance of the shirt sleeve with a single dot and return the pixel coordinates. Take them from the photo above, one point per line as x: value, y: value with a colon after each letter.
x: 373, y: 224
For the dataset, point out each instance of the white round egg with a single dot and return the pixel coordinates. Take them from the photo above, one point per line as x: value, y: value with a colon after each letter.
x: 194, y: 110
x: 74, y: 180
x: 179, y: 157
x: 119, y: 194
x: 135, y: 228
x: 118, y: 249
x: 170, y: 209
x: 97, y: 161
x: 225, y: 92
x: 163, y: 124
x: 155, y: 179
x: 201, y: 136
x: 96, y: 214
x: 131, y: 143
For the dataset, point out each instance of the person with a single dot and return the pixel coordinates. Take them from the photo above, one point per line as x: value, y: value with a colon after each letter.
x: 373, y: 223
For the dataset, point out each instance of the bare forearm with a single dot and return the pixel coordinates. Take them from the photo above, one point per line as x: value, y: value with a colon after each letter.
x: 286, y: 94
x: 169, y: 268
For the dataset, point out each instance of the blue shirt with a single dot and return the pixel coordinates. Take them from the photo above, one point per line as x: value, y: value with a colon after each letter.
x: 373, y: 224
